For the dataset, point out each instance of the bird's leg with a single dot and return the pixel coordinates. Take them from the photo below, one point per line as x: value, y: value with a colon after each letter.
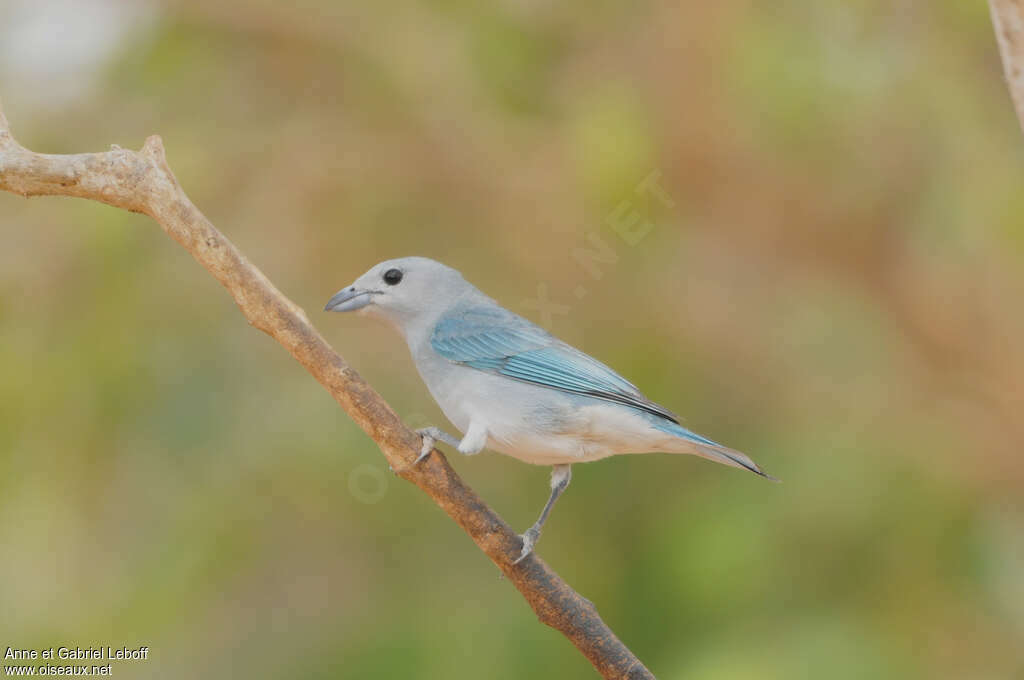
x: 560, y: 477
x: 473, y: 442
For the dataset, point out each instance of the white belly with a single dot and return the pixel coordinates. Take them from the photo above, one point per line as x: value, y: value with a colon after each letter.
x: 536, y: 424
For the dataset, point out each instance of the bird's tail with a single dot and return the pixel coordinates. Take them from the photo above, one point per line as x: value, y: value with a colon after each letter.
x: 691, y: 442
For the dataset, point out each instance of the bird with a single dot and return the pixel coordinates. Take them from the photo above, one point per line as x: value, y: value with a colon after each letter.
x: 511, y: 386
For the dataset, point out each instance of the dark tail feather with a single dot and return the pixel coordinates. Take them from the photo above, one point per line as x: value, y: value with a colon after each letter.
x: 685, y: 441
x: 731, y: 457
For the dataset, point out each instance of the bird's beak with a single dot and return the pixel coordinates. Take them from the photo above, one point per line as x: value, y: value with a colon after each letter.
x: 349, y: 299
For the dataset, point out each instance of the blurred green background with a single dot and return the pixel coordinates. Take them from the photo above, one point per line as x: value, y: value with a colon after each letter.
x: 835, y: 288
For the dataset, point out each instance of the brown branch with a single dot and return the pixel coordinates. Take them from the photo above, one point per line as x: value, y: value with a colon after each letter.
x: 143, y: 182
x: 1008, y: 20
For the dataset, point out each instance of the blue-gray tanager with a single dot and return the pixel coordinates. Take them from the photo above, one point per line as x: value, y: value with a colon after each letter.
x: 509, y: 385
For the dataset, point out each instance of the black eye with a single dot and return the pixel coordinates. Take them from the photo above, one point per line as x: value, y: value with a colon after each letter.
x: 392, y: 276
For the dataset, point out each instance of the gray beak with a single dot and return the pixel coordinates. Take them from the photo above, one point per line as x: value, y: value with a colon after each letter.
x: 349, y: 299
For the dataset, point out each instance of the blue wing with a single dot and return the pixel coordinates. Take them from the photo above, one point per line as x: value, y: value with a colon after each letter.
x: 493, y: 339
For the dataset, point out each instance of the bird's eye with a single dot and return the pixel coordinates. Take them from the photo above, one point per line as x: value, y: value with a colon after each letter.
x: 392, y: 276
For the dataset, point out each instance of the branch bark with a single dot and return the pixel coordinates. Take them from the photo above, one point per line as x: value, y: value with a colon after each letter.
x: 1008, y: 21
x: 142, y: 182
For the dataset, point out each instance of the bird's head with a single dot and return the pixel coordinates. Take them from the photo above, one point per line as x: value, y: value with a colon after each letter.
x: 401, y: 291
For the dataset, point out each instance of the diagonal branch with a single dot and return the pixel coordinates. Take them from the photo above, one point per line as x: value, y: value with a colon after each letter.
x: 1008, y: 21
x: 142, y: 182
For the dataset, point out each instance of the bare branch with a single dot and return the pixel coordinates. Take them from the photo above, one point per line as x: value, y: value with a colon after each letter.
x: 143, y: 182
x: 1008, y: 20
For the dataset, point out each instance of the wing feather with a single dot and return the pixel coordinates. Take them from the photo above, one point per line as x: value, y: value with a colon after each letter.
x: 493, y: 339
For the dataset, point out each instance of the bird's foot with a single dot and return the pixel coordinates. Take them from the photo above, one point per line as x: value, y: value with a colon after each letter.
x: 428, y: 443
x: 431, y: 436
x: 530, y: 539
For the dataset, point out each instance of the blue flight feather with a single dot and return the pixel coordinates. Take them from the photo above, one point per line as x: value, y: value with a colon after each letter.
x: 495, y: 340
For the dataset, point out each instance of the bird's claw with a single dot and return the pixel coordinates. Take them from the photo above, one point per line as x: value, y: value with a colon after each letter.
x: 529, y: 540
x: 428, y: 445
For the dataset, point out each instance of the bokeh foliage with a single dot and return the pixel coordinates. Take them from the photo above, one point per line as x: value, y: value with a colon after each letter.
x: 835, y: 289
